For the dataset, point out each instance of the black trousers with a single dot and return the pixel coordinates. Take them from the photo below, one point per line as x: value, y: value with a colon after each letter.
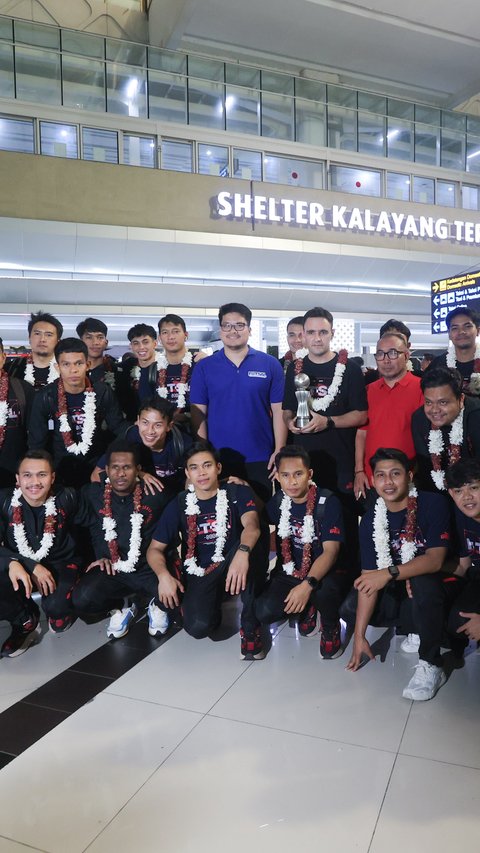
x: 98, y: 592
x: 468, y: 601
x: 327, y: 598
x: 423, y: 614
x: 56, y: 605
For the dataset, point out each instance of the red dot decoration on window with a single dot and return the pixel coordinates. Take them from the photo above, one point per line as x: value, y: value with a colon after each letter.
x: 358, y: 183
x: 294, y: 175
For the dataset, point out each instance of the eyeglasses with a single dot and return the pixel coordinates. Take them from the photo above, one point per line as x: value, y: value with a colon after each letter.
x: 227, y: 327
x: 391, y: 354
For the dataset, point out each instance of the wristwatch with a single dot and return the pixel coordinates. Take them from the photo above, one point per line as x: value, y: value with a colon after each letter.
x: 313, y: 582
x: 245, y: 548
x: 330, y: 423
x: 394, y: 572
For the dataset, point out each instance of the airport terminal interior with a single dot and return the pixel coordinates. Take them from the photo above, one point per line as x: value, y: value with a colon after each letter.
x: 171, y: 156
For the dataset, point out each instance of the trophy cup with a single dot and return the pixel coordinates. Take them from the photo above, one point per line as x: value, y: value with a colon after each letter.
x: 302, y: 384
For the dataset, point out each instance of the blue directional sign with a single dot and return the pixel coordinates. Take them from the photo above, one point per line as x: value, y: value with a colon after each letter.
x: 449, y: 293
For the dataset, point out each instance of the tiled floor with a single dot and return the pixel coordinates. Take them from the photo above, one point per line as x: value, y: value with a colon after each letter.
x: 194, y: 751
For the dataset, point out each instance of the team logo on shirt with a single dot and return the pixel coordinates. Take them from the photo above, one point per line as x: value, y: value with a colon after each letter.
x: 207, y: 527
x: 398, y: 536
x: 472, y: 543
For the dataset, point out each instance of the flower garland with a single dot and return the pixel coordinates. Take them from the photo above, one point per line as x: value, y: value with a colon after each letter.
x: 322, y: 404
x: 162, y: 365
x: 3, y: 405
x: 109, y: 527
x: 19, y: 532
x: 474, y: 382
x: 30, y: 371
x: 192, y: 509
x: 436, y: 447
x: 109, y: 375
x: 89, y: 423
x: 285, y: 533
x: 381, y: 533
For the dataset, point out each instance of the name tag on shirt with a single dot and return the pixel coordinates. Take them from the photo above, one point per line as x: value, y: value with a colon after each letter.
x: 257, y: 374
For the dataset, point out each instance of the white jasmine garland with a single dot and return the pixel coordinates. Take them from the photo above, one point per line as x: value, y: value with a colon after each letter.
x: 381, y: 536
x: 322, y: 403
x: 182, y: 388
x: 436, y: 446
x: 30, y: 373
x: 109, y: 527
x: 20, y: 535
x: 285, y: 530
x: 3, y: 412
x: 452, y: 359
x: 301, y: 353
x: 221, y: 513
x: 109, y: 379
x: 88, y: 428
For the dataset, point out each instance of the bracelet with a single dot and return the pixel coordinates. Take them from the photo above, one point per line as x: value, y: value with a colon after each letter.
x: 361, y: 471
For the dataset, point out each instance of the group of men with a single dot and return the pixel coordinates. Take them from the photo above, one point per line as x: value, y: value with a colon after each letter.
x: 155, y: 481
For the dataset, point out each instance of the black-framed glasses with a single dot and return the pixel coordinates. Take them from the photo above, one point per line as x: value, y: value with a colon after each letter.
x: 391, y: 354
x: 227, y: 327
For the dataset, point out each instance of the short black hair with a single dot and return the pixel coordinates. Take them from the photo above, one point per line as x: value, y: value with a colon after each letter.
x: 462, y: 473
x: 357, y: 359
x: 172, y: 318
x: 160, y: 405
x: 37, y: 454
x: 428, y: 355
x: 293, y: 451
x: 122, y: 445
x: 44, y: 317
x: 395, y: 326
x: 463, y: 309
x: 91, y: 324
x: 235, y: 308
x: 434, y: 378
x: 323, y: 313
x: 140, y: 330
x: 201, y: 447
x: 390, y: 454
x: 70, y: 345
x: 295, y: 321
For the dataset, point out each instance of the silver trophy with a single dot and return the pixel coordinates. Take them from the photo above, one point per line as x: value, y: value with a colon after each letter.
x: 302, y: 384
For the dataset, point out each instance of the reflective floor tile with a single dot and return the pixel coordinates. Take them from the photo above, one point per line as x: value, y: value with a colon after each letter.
x: 237, y: 787
x: 429, y: 807
x: 8, y: 846
x: 86, y: 770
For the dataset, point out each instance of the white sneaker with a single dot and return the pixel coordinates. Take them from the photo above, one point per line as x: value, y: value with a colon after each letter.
x: 120, y: 621
x: 157, y: 620
x: 411, y: 644
x: 425, y: 682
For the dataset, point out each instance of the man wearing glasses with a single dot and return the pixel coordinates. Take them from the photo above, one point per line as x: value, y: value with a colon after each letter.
x: 392, y: 399
x: 236, y: 402
x: 463, y: 326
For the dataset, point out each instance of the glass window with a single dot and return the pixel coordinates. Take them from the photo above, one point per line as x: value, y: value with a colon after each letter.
x: 17, y: 135
x: 455, y: 121
x: 427, y: 115
x: 58, y: 140
x: 242, y: 75
x: 282, y: 84
x: 167, y: 96
x: 423, y: 190
x: 37, y: 34
x: 400, y: 139
x: 37, y: 75
x: 243, y: 110
x: 473, y: 125
x: 213, y: 160
x: 452, y: 150
x: 206, y: 69
x: 247, y: 164
x: 371, y: 133
x: 277, y: 116
x: 310, y: 89
x: 342, y: 97
x: 126, y: 90
x: 342, y: 128
x: 445, y: 193
x: 400, y: 109
x: 83, y: 83
x: 177, y: 156
x: 126, y: 52
x: 139, y: 150
x: 360, y: 181
x: 470, y: 197
x: 427, y: 144
x: 167, y: 60
x: 398, y: 186
x: 310, y: 122
x: 100, y: 145
x: 205, y: 104
x: 6, y: 29
x: 372, y: 103
x: 7, y: 87
x: 473, y: 155
x: 295, y: 173
x: 83, y: 43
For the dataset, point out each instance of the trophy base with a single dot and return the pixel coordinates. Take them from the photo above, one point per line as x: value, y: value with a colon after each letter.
x: 300, y: 423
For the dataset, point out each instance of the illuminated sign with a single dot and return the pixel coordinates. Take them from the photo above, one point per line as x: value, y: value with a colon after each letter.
x: 339, y: 217
x: 449, y: 293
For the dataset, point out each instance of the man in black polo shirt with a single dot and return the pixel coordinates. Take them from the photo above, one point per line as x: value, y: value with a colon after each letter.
x: 15, y: 405
x: 125, y: 517
x: 463, y: 326
x: 39, y: 367
x: 102, y: 367
x: 463, y: 482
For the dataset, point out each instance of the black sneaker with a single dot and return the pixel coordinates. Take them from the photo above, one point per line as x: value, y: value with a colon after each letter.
x: 251, y: 646
x: 21, y: 638
x: 308, y: 624
x: 59, y: 626
x: 330, y: 642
